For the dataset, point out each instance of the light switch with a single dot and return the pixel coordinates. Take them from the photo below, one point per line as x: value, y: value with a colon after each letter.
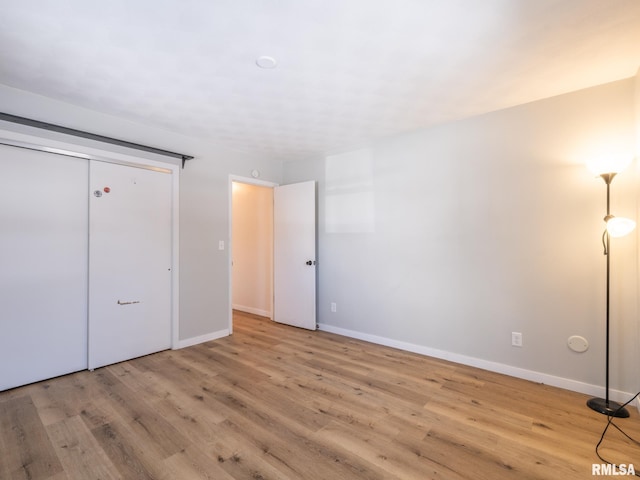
x: 221, y: 245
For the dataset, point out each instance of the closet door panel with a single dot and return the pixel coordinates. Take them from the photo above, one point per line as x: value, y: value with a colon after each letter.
x: 130, y: 262
x: 43, y: 274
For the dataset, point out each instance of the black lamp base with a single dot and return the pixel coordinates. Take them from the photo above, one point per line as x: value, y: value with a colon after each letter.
x: 612, y: 409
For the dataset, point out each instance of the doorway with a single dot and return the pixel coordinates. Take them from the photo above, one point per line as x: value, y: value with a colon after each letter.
x: 251, y: 247
x: 292, y: 254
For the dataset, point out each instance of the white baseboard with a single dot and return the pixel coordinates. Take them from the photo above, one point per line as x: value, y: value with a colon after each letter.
x: 188, y: 342
x: 566, y: 383
x: 255, y: 311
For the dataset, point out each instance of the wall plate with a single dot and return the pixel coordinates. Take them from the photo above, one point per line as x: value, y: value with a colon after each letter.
x: 578, y: 344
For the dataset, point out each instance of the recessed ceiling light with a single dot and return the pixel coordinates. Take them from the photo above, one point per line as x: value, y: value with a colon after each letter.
x: 266, y: 62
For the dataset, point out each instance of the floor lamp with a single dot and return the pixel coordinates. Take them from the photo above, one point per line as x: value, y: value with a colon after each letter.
x: 615, y: 227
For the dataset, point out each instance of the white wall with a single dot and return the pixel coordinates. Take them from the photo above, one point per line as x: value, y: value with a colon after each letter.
x: 446, y: 240
x: 204, y: 197
x: 252, y: 248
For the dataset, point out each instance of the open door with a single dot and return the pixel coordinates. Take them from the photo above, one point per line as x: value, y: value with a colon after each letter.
x: 294, y: 231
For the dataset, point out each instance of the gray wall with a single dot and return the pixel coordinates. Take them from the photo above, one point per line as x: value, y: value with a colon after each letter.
x: 204, y: 199
x: 446, y: 240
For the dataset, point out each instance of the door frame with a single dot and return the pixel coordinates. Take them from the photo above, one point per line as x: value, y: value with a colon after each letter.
x: 50, y: 143
x: 248, y: 181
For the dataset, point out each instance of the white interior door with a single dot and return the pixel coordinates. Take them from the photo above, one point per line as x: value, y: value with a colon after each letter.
x: 294, y: 226
x: 43, y: 273
x: 129, y: 262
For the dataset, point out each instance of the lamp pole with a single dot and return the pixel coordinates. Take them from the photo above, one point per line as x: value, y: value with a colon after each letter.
x: 604, y: 405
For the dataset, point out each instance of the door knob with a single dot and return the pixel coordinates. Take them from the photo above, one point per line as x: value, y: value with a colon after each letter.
x: 310, y: 262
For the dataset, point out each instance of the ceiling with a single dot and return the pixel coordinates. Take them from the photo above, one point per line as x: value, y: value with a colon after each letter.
x: 348, y: 71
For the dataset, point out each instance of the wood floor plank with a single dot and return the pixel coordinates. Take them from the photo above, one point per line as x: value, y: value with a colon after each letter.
x: 59, y: 399
x: 243, y: 456
x: 306, y: 457
x: 138, y: 415
x: 133, y: 460
x: 193, y: 464
x: 79, y: 452
x: 276, y: 402
x: 393, y: 458
x: 299, y: 451
x: 26, y: 449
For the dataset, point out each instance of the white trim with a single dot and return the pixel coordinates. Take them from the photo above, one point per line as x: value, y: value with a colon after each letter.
x: 42, y: 143
x: 45, y: 144
x: 175, y: 258
x: 189, y: 342
x: 85, y: 156
x: 252, y: 310
x: 566, y: 383
x: 250, y: 181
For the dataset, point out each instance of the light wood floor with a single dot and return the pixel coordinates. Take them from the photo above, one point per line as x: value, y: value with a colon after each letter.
x: 276, y: 402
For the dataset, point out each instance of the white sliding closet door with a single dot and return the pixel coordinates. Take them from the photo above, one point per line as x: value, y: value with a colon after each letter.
x: 43, y: 272
x: 130, y: 233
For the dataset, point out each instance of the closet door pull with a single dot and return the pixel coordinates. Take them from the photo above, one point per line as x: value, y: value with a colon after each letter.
x: 128, y: 303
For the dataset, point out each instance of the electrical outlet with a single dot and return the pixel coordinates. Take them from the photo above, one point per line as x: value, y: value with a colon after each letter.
x: 333, y: 307
x: 516, y: 339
